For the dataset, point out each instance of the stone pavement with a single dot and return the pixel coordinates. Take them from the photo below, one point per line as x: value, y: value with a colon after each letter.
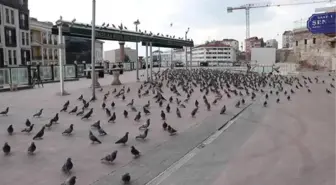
x: 290, y: 143
x: 45, y: 166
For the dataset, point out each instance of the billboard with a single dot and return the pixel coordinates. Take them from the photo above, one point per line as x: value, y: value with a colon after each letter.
x: 322, y: 23
x: 263, y: 56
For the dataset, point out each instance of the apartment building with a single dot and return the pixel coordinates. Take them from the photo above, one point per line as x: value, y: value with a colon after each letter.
x: 287, y: 39
x: 14, y: 33
x: 44, y: 45
x: 214, y: 54
x: 271, y: 43
x: 252, y: 42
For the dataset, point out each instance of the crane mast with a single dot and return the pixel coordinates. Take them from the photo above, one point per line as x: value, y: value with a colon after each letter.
x: 248, y: 7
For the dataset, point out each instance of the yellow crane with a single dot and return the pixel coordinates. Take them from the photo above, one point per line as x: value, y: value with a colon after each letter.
x: 247, y: 8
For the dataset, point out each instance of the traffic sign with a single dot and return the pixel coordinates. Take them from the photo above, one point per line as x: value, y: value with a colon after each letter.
x: 322, y: 23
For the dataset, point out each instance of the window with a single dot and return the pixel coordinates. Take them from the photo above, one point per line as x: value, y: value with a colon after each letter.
x: 14, y: 57
x: 23, y: 38
x: 55, y: 39
x: 314, y: 40
x: 7, y: 15
x: 9, y: 57
x: 296, y: 43
x: 44, y: 38
x: 12, y: 17
x: 56, y: 54
x: 305, y: 41
x: 49, y: 38
x: 50, y: 54
x: 45, y: 56
x: 9, y: 33
x: 27, y: 39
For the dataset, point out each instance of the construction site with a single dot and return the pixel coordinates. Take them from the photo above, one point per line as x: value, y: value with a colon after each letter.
x: 300, y: 46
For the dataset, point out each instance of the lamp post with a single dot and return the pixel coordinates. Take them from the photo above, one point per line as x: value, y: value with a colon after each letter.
x: 93, y: 49
x: 136, y: 23
x: 186, y: 52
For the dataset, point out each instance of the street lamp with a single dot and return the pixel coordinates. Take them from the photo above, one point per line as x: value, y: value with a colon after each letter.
x: 136, y: 23
x: 93, y: 49
x: 186, y: 52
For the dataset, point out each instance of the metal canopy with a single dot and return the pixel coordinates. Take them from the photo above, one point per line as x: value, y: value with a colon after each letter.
x: 84, y: 30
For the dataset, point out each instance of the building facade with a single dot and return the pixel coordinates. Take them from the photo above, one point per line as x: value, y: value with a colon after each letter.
x: 114, y: 55
x: 14, y: 33
x: 44, y: 45
x: 272, y: 43
x: 214, y: 54
x: 231, y: 42
x: 253, y: 42
x: 314, y: 49
x: 287, y: 39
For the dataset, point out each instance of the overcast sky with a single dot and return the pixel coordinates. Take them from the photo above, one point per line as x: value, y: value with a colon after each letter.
x: 207, y: 19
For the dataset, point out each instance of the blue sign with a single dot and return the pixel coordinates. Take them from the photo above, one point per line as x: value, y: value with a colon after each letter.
x: 322, y: 23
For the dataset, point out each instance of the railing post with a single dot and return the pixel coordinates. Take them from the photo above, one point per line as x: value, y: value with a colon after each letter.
x: 29, y: 75
x: 52, y: 72
x: 76, y: 70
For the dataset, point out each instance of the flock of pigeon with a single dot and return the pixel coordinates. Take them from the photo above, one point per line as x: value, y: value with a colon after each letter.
x: 182, y: 83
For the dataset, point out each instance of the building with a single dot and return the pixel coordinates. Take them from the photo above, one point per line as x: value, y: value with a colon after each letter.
x: 79, y: 49
x: 14, y: 33
x: 272, y: 43
x: 114, y: 55
x: 213, y: 54
x: 231, y: 42
x: 44, y: 45
x: 253, y: 42
x: 287, y: 39
x: 313, y: 49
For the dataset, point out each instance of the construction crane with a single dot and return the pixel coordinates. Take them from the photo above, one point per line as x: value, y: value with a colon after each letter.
x: 247, y: 8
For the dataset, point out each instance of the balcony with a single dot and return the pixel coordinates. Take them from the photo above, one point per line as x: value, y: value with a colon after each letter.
x: 37, y: 58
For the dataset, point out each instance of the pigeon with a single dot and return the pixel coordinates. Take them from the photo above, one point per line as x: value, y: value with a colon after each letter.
x: 39, y: 134
x: 171, y: 130
x: 223, y: 110
x: 93, y: 138
x: 328, y: 91
x: 288, y: 98
x: 88, y: 115
x: 112, y: 105
x: 163, y: 115
x: 55, y: 118
x: 70, y: 181
x: 112, y: 118
x: 64, y: 109
x: 265, y: 103
x: 27, y: 123
x: 28, y: 129
x: 103, y: 105
x: 278, y: 100
x: 96, y: 124
x: 67, y: 166
x: 123, y: 140
x: 80, y: 113
x: 193, y: 112
x: 125, y: 114
x: 80, y: 97
x: 111, y: 157
x: 145, y: 125
x: 131, y: 103
x: 31, y: 148
x: 178, y: 113
x: 142, y: 135
x: 146, y: 111
x: 5, y: 112
x: 164, y: 125
x: 101, y: 131
x: 108, y: 112
x: 237, y: 104
x: 137, y: 117
x: 6, y: 148
x: 123, y: 97
x: 133, y: 109
x: 67, y: 103
x: 10, y: 129
x: 68, y: 131
x: 126, y: 178
x: 168, y: 108
x: 135, y: 152
x: 38, y: 114
x: 196, y: 103
x: 74, y: 110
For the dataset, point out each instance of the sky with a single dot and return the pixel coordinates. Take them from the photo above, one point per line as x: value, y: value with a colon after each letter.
x: 207, y: 19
